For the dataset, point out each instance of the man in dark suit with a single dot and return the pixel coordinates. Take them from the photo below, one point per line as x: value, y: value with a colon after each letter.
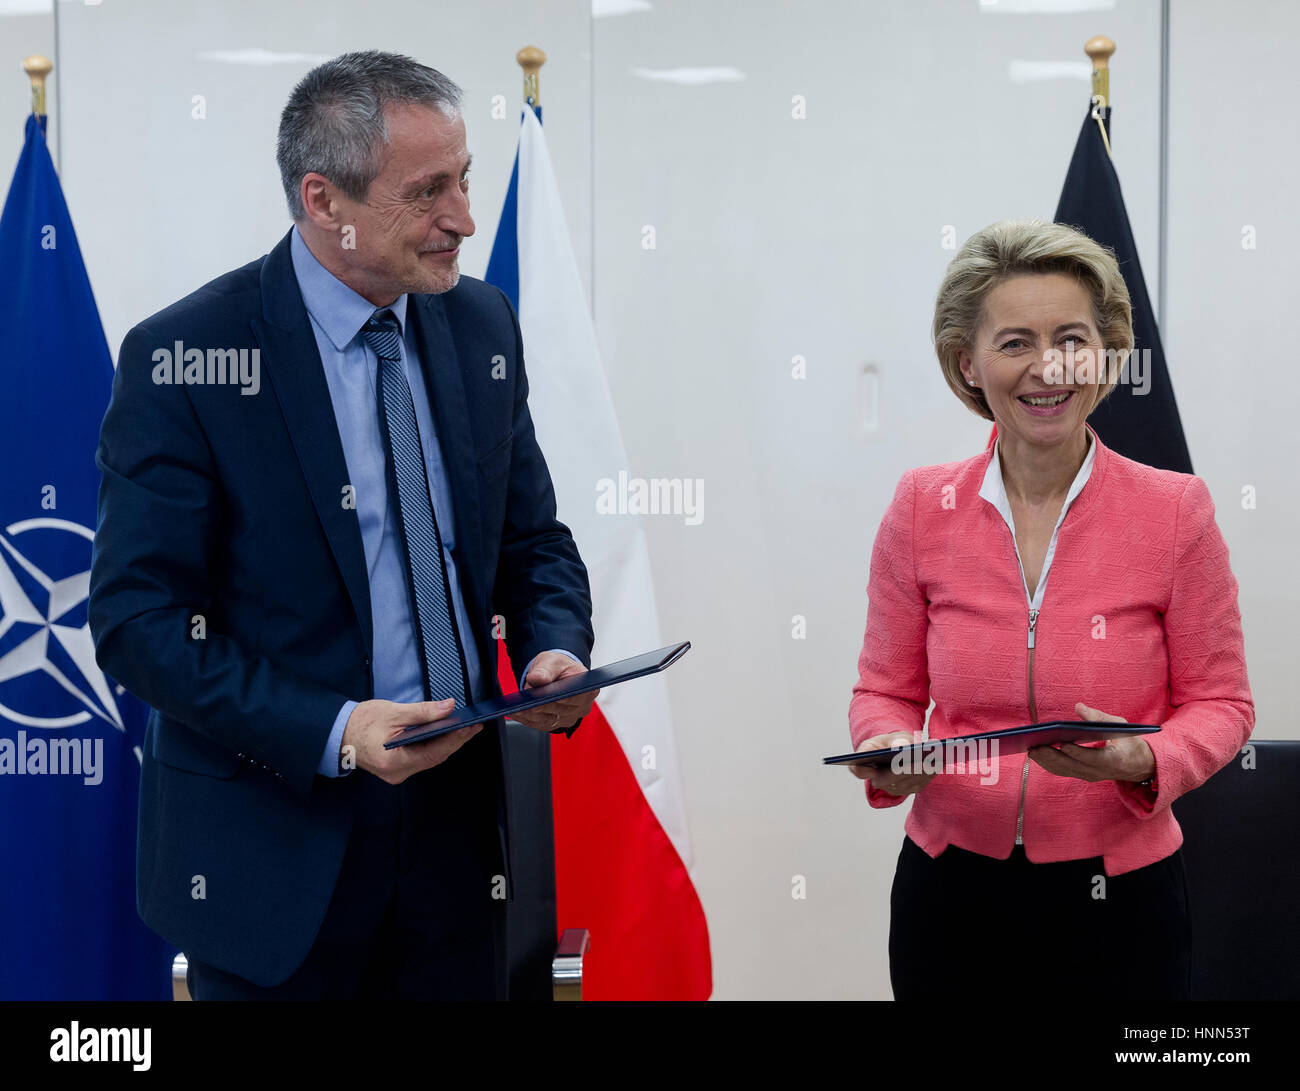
x: 322, y: 500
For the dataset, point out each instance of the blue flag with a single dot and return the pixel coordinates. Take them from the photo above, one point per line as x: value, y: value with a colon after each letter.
x: 503, y: 262
x: 69, y: 736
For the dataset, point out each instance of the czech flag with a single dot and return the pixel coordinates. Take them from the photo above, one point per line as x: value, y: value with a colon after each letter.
x: 622, y: 848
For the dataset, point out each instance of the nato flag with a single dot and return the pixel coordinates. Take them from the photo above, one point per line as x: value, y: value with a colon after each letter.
x: 69, y: 770
x: 1140, y: 418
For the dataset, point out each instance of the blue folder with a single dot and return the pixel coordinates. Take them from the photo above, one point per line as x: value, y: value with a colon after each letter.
x: 1011, y: 740
x: 597, y: 678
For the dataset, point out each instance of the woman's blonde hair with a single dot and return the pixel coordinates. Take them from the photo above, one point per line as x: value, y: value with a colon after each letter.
x: 1014, y: 248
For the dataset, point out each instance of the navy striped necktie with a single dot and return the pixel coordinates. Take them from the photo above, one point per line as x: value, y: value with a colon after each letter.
x: 417, y: 526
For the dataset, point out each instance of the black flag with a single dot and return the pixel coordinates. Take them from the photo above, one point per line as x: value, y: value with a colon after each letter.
x: 1142, y: 426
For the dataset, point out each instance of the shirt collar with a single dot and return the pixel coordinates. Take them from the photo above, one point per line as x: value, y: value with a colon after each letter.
x: 336, y: 308
x: 995, y: 492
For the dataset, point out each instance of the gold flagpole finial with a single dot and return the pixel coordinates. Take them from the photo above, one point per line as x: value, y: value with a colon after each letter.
x: 37, y: 68
x: 531, y: 59
x: 1100, y: 49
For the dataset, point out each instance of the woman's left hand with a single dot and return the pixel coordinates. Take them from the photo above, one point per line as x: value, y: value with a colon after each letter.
x: 1125, y: 758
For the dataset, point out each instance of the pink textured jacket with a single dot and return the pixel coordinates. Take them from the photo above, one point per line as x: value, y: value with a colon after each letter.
x: 1139, y: 618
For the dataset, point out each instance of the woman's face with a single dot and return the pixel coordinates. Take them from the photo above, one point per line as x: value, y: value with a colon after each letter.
x: 1025, y: 318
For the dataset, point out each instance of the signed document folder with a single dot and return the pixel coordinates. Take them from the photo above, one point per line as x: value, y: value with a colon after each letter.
x: 597, y: 678
x: 1011, y: 740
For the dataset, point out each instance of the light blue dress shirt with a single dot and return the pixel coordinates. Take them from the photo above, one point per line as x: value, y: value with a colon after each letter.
x: 337, y: 314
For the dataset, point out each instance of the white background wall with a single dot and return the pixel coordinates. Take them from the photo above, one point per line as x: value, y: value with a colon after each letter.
x: 775, y: 237
x: 1234, y: 148
x: 821, y: 238
x: 188, y: 199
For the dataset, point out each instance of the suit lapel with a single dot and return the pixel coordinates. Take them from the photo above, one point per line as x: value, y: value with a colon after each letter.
x: 292, y: 361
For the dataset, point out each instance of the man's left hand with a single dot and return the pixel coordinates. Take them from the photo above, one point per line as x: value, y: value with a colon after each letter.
x: 1125, y: 758
x: 550, y: 667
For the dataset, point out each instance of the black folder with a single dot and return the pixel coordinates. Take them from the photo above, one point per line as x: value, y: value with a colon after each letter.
x: 1011, y: 740
x: 597, y: 678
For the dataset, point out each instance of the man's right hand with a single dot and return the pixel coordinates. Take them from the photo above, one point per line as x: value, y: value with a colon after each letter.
x: 373, y: 723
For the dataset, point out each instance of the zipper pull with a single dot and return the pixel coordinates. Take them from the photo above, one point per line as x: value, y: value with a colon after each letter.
x: 1033, y: 620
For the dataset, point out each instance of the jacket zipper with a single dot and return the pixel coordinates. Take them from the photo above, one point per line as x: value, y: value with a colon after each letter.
x: 1033, y: 719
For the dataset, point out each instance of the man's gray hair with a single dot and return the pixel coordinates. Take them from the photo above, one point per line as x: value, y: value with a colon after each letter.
x: 333, y: 123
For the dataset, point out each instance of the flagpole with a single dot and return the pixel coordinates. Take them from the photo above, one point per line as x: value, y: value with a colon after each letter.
x: 1099, y: 49
x: 37, y: 68
x: 531, y: 59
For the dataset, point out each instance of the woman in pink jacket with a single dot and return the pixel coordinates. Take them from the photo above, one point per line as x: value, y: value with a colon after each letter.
x: 1047, y: 578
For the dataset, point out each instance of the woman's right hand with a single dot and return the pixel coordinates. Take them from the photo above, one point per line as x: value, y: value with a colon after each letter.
x: 881, y: 776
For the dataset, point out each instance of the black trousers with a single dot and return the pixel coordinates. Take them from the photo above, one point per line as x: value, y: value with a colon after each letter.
x: 416, y: 913
x: 966, y: 926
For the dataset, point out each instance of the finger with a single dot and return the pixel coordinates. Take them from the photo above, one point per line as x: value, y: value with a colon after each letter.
x: 423, y: 712
x: 571, y: 707
x: 912, y: 783
x: 543, y: 673
x: 566, y: 710
x: 1062, y: 765
x: 885, y: 742
x: 1084, y: 751
x: 533, y: 718
x: 1093, y: 757
x: 451, y: 739
x: 1047, y: 757
x: 898, y: 783
x: 530, y: 715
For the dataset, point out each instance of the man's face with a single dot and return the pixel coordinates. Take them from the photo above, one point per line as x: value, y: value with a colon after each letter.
x: 410, y: 226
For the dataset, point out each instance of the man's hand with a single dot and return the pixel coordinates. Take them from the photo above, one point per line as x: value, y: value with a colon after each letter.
x: 1127, y: 757
x: 884, y: 778
x: 549, y: 667
x: 373, y: 723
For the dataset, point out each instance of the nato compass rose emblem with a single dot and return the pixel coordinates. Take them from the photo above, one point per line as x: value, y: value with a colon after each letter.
x: 48, y: 674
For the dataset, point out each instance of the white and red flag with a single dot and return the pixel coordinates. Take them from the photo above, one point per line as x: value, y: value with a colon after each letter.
x: 622, y: 847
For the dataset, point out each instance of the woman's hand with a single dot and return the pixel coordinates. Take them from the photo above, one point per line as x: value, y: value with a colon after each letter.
x: 1125, y: 758
x: 884, y: 778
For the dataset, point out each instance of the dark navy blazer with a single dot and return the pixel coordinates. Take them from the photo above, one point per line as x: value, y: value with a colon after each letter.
x: 231, y: 506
